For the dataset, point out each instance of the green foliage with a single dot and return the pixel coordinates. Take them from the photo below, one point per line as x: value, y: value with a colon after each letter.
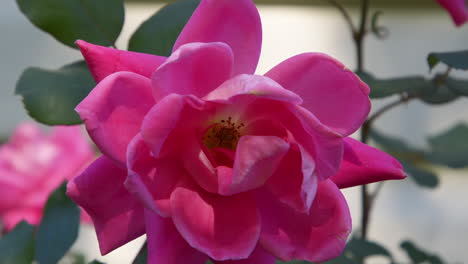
x: 412, y: 159
x: 158, y: 34
x: 17, y: 247
x: 98, y: 22
x: 454, y: 59
x: 96, y: 262
x: 50, y: 96
x: 142, y: 256
x: 419, y: 256
x: 450, y: 148
x: 58, y: 229
x: 411, y: 85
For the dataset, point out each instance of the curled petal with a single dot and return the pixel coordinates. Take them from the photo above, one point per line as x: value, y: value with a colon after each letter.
x: 294, y: 182
x: 225, y: 227
x: 363, y: 164
x: 117, y: 216
x: 334, y: 94
x: 236, y: 23
x: 258, y: 86
x: 194, y: 68
x: 317, y: 236
x: 256, y: 159
x: 103, y: 61
x: 165, y: 245
x: 114, y: 110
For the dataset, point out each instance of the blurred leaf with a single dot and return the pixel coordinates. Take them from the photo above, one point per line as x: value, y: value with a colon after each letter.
x: 17, y: 247
x: 158, y: 34
x: 96, y: 262
x: 442, y: 95
x: 142, y: 256
x: 459, y: 87
x: 50, y: 96
x: 361, y: 249
x: 412, y: 85
x: 58, y: 229
x: 418, y: 256
x: 396, y: 146
x: 455, y: 59
x: 98, y: 22
x: 423, y: 177
x: 450, y: 148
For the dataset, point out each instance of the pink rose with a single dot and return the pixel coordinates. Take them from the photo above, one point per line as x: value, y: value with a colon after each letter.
x: 212, y: 162
x: 33, y: 164
x: 457, y: 9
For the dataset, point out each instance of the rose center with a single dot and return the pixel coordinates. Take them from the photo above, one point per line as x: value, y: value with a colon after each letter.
x: 223, y: 134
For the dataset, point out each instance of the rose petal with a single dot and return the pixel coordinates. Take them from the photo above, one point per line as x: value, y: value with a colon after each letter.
x: 114, y: 110
x: 318, y: 236
x: 256, y: 159
x: 457, y: 9
x: 194, y: 68
x: 259, y: 86
x: 258, y: 256
x: 363, y: 164
x: 236, y: 23
x: 334, y: 94
x: 12, y: 217
x: 152, y: 180
x: 165, y: 245
x: 103, y: 61
x: 294, y: 182
x: 221, y: 227
x: 116, y: 214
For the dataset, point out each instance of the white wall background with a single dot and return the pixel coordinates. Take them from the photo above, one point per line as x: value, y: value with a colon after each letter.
x: 436, y: 220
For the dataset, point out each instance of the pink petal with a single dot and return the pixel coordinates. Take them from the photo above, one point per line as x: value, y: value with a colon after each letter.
x: 12, y: 217
x: 255, y: 85
x: 117, y: 215
x: 194, y: 68
x: 103, y: 61
x: 236, y: 23
x: 318, y: 236
x: 219, y: 226
x: 152, y: 180
x: 114, y: 110
x: 258, y: 256
x: 334, y: 94
x: 165, y: 245
x: 294, y: 182
x: 363, y: 164
x: 457, y: 9
x: 256, y: 159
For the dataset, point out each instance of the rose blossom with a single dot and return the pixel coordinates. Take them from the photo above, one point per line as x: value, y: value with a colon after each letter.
x: 457, y: 9
x: 213, y: 162
x: 33, y: 164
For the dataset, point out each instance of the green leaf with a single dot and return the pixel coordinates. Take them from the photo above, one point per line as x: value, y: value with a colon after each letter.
x: 50, y: 96
x: 396, y: 146
x: 98, y: 22
x: 457, y: 86
x: 58, y: 229
x: 361, y: 249
x: 96, y: 262
x: 423, y: 177
x: 442, y: 95
x: 455, y: 59
x: 450, y: 148
x: 17, y: 247
x: 418, y: 256
x: 381, y: 88
x: 158, y: 34
x: 142, y: 256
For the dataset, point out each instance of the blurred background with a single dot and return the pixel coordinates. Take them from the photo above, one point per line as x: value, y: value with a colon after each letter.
x: 436, y: 220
